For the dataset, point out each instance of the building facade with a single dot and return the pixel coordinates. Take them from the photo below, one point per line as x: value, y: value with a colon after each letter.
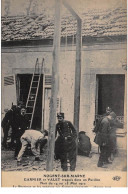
x: 103, y: 68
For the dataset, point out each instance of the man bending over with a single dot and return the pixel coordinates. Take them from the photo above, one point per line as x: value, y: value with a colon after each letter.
x: 34, y: 138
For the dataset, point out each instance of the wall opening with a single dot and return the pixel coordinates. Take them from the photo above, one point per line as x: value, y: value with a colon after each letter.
x: 23, y: 85
x: 110, y: 92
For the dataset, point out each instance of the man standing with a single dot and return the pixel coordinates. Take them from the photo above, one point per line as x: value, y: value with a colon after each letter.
x: 7, y: 122
x: 34, y: 138
x: 103, y: 140
x: 112, y: 134
x: 108, y: 111
x: 22, y: 124
x: 65, y: 145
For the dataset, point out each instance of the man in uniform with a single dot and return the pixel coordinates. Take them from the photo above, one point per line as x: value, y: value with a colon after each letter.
x: 112, y: 134
x: 103, y: 140
x: 65, y: 145
x: 108, y: 111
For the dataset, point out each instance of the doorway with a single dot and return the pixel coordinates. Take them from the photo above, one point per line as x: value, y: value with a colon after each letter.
x: 23, y: 85
x: 110, y: 93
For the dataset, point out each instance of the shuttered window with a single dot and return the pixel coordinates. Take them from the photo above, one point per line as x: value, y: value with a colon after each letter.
x: 48, y: 80
x: 9, y: 80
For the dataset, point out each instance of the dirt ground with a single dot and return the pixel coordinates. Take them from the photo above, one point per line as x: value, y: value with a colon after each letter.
x: 8, y: 163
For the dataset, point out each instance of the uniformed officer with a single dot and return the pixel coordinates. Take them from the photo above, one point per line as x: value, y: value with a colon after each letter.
x: 65, y: 145
x: 112, y: 135
x: 103, y: 140
x: 108, y: 110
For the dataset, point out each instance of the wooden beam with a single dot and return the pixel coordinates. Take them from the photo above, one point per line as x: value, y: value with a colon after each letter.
x: 55, y: 85
x: 77, y: 74
x: 125, y: 103
x: 78, y: 65
x: 66, y: 4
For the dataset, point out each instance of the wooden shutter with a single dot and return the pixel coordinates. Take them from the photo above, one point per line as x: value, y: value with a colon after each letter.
x: 9, y: 92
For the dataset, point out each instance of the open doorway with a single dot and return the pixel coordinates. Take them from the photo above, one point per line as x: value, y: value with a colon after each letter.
x: 110, y: 92
x: 23, y: 85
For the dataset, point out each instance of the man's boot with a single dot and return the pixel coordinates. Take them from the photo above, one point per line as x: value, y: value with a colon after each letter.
x: 100, y: 164
x: 18, y: 163
x: 107, y: 162
x: 38, y: 159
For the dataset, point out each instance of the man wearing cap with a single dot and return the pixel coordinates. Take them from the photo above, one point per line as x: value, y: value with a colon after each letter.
x: 34, y: 138
x: 108, y: 111
x: 114, y: 125
x: 103, y: 139
x: 112, y: 135
x: 65, y: 145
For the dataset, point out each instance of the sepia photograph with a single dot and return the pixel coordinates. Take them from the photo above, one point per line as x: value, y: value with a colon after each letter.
x: 64, y: 93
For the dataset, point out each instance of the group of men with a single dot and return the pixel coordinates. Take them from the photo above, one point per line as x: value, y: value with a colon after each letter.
x: 67, y: 144
x: 21, y: 135
x: 17, y: 120
x: 106, y: 137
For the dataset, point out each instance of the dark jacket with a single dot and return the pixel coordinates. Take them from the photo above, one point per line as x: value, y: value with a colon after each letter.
x: 66, y: 140
x: 8, y: 119
x: 103, y: 134
x: 22, y: 124
x: 84, y: 144
x: 66, y: 129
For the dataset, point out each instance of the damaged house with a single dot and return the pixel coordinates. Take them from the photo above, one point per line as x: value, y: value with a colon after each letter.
x: 103, y: 73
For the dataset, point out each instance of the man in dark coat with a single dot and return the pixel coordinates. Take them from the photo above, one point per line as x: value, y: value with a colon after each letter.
x: 22, y: 125
x: 6, y: 125
x: 103, y: 140
x: 7, y: 122
x: 65, y: 145
x: 84, y: 144
x: 112, y: 134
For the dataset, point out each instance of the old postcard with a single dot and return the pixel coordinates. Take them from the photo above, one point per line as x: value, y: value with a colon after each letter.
x: 64, y: 93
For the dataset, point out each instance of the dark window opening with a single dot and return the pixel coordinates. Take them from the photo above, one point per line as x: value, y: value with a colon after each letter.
x: 111, y: 93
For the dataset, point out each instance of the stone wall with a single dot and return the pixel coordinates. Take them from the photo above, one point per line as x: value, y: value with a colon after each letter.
x: 96, y: 59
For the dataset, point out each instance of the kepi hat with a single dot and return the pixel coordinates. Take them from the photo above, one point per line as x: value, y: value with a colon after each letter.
x: 60, y: 115
x: 108, y: 108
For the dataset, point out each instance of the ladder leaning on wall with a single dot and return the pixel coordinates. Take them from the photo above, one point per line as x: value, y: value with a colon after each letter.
x: 33, y: 91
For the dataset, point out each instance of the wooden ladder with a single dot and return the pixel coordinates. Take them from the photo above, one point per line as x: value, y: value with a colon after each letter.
x: 33, y: 91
